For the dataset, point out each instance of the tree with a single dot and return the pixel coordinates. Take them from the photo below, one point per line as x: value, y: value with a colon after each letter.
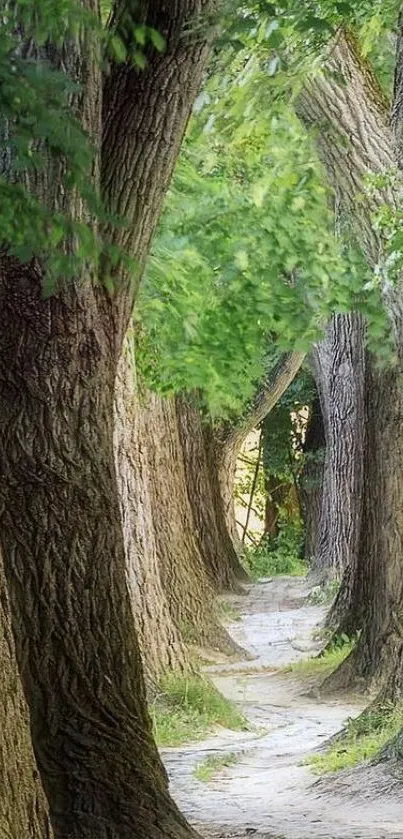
x: 23, y: 811
x: 357, y: 109
x: 61, y: 530
x: 160, y: 639
x: 339, y: 369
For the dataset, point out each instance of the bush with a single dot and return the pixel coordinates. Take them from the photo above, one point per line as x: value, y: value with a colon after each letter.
x: 278, y: 555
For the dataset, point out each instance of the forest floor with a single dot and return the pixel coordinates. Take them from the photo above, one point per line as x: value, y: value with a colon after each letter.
x: 265, y: 791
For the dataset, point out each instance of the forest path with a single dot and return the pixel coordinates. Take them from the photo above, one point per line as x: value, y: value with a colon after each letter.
x: 267, y: 792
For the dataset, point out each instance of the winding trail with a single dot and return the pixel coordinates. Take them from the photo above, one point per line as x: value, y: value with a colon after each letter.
x: 267, y: 792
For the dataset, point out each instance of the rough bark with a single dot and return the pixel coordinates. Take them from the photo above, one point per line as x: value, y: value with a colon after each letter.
x: 215, y: 544
x: 312, y: 478
x: 230, y: 438
x: 183, y: 574
x: 61, y: 531
x: 358, y: 140
x: 23, y: 808
x: 339, y: 370
x: 161, y: 644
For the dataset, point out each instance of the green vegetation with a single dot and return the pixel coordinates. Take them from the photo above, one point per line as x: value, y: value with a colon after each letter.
x: 325, y: 594
x: 277, y: 555
x: 188, y: 707
x: 362, y: 739
x: 227, y: 612
x: 324, y: 663
x: 212, y: 765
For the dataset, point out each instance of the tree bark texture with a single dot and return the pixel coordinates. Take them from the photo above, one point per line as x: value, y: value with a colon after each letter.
x: 23, y: 808
x: 216, y: 546
x: 339, y: 370
x: 61, y: 530
x: 183, y: 571
x: 230, y: 438
x: 312, y: 478
x: 355, y: 138
x: 160, y: 640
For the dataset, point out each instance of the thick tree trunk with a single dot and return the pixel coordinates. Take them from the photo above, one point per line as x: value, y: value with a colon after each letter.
x: 339, y: 369
x: 362, y: 142
x: 61, y: 530
x: 229, y: 439
x: 215, y: 544
x: 183, y: 573
x: 65, y: 563
x: 161, y: 644
x: 23, y: 808
x: 312, y: 478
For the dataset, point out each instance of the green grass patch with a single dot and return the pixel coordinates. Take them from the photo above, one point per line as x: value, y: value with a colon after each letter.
x: 227, y: 612
x: 188, y: 707
x: 279, y: 555
x: 323, y: 664
x: 361, y: 741
x: 213, y: 765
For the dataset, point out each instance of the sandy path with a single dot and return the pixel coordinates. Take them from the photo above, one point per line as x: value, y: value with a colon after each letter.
x: 267, y: 792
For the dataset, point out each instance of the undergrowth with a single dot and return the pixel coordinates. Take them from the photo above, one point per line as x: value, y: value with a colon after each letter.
x: 186, y: 708
x: 212, y: 765
x: 276, y: 555
x: 227, y: 612
x: 324, y: 663
x: 362, y: 739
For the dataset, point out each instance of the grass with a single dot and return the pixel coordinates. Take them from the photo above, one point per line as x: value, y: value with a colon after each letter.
x: 323, y: 665
x: 188, y: 707
x: 361, y: 741
x: 212, y: 765
x: 226, y: 612
x: 279, y: 555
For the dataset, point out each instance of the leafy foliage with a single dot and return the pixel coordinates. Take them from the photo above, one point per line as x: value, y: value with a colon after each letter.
x: 278, y: 555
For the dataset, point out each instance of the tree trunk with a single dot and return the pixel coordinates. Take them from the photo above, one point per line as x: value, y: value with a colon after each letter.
x: 23, y: 809
x: 65, y: 562
x: 230, y: 438
x: 215, y: 544
x: 61, y: 530
x: 161, y: 644
x: 312, y: 478
x: 182, y: 569
x: 362, y: 142
x: 339, y: 369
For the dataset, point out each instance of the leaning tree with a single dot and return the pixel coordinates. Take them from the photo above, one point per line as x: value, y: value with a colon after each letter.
x: 61, y: 531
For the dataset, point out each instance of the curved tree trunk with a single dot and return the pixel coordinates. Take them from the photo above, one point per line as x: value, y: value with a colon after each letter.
x: 182, y: 569
x: 161, y: 644
x: 216, y: 546
x: 229, y: 439
x: 362, y: 142
x: 339, y: 369
x: 23, y: 808
x: 61, y: 530
x: 312, y: 478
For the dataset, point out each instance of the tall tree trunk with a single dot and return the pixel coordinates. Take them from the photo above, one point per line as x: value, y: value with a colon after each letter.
x: 23, y: 809
x: 312, y: 478
x: 160, y: 640
x: 230, y: 438
x: 60, y: 527
x: 215, y: 544
x: 339, y: 369
x: 183, y: 573
x: 350, y: 102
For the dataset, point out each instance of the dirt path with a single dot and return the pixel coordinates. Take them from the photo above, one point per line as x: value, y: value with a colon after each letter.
x: 267, y: 792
